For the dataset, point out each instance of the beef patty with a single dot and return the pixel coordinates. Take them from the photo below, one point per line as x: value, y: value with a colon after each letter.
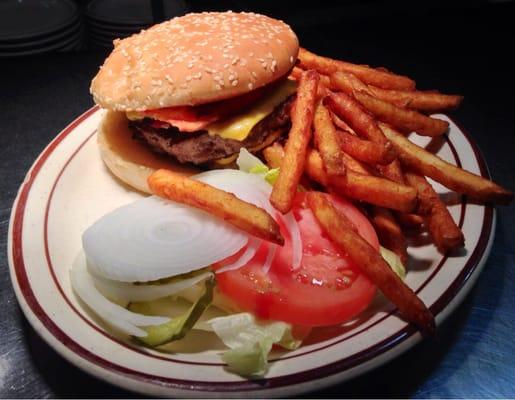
x: 201, y: 147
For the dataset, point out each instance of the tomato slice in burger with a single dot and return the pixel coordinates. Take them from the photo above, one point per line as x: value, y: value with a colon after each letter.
x: 195, y: 118
x: 327, y: 289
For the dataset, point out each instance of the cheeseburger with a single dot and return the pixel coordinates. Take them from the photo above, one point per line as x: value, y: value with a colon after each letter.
x: 191, y: 92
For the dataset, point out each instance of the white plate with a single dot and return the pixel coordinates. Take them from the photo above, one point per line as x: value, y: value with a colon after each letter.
x: 68, y: 188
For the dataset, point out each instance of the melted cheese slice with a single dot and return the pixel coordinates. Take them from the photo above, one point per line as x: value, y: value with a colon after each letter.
x: 239, y: 126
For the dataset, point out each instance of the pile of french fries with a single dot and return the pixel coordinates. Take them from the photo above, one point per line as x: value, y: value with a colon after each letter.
x: 349, y: 126
x: 348, y: 136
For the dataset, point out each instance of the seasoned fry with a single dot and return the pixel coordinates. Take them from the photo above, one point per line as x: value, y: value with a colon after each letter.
x: 361, y: 122
x: 457, y: 179
x: 359, y: 186
x: 327, y: 142
x: 224, y: 205
x: 372, y: 76
x: 410, y: 220
x: 343, y: 234
x: 446, y: 235
x: 407, y: 120
x: 292, y: 165
x: 394, y: 172
x: 389, y: 232
x: 363, y: 150
x: 323, y: 84
x: 427, y: 101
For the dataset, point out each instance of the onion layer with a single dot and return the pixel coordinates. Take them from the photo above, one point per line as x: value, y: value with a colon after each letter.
x: 116, y: 316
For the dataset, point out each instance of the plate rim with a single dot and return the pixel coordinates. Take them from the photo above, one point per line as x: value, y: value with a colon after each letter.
x: 324, y: 376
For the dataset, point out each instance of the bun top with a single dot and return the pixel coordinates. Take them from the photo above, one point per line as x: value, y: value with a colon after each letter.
x: 195, y: 59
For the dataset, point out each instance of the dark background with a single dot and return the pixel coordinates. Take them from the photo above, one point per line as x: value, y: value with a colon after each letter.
x: 461, y: 47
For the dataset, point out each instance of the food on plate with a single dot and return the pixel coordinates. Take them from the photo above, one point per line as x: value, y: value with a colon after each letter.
x: 253, y: 253
x: 297, y: 143
x: 363, y: 124
x: 343, y: 234
x: 360, y: 186
x: 446, y: 235
x: 425, y: 101
x: 404, y: 119
x: 196, y: 89
x: 455, y: 178
x: 389, y: 232
x: 327, y: 142
x: 226, y: 206
x: 372, y: 76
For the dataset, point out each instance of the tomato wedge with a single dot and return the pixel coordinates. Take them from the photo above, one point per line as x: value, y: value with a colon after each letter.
x: 327, y: 289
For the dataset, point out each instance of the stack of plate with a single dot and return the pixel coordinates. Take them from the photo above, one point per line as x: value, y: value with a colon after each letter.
x: 111, y: 19
x: 33, y: 27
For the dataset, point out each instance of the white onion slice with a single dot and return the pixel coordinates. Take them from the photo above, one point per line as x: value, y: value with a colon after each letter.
x: 126, y: 292
x: 113, y: 314
x: 296, y: 240
x: 269, y: 258
x: 247, y: 255
x: 154, y: 238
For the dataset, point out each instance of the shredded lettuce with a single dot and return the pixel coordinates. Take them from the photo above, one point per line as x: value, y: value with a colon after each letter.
x: 394, y: 262
x: 248, y: 162
x: 177, y: 327
x: 250, y: 341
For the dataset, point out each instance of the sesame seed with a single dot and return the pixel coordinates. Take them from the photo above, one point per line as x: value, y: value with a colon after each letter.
x: 250, y: 86
x: 234, y: 82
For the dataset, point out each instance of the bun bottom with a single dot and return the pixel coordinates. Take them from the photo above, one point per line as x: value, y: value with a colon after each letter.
x: 130, y: 160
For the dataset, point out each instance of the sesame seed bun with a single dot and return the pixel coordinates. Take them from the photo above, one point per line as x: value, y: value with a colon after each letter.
x: 195, y: 59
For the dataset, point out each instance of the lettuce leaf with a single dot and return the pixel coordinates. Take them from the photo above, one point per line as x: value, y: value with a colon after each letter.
x: 177, y: 327
x: 248, y: 162
x: 250, y: 341
x: 393, y: 261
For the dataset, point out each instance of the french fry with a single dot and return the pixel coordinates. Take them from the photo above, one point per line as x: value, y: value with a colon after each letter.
x: 361, y: 122
x: 323, y: 84
x: 373, y: 76
x: 446, y: 235
x: 343, y: 234
x: 363, y: 150
x: 389, y: 232
x: 327, y: 142
x: 404, y: 119
x: 363, y: 187
x: 425, y: 101
x: 224, y: 205
x: 452, y: 177
x: 394, y: 172
x: 292, y: 165
x: 410, y: 220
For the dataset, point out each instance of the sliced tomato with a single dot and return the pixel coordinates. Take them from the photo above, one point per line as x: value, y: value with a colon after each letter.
x: 195, y: 118
x: 327, y: 289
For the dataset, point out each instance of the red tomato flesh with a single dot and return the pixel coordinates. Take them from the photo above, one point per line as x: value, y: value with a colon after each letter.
x: 195, y: 118
x: 327, y: 289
